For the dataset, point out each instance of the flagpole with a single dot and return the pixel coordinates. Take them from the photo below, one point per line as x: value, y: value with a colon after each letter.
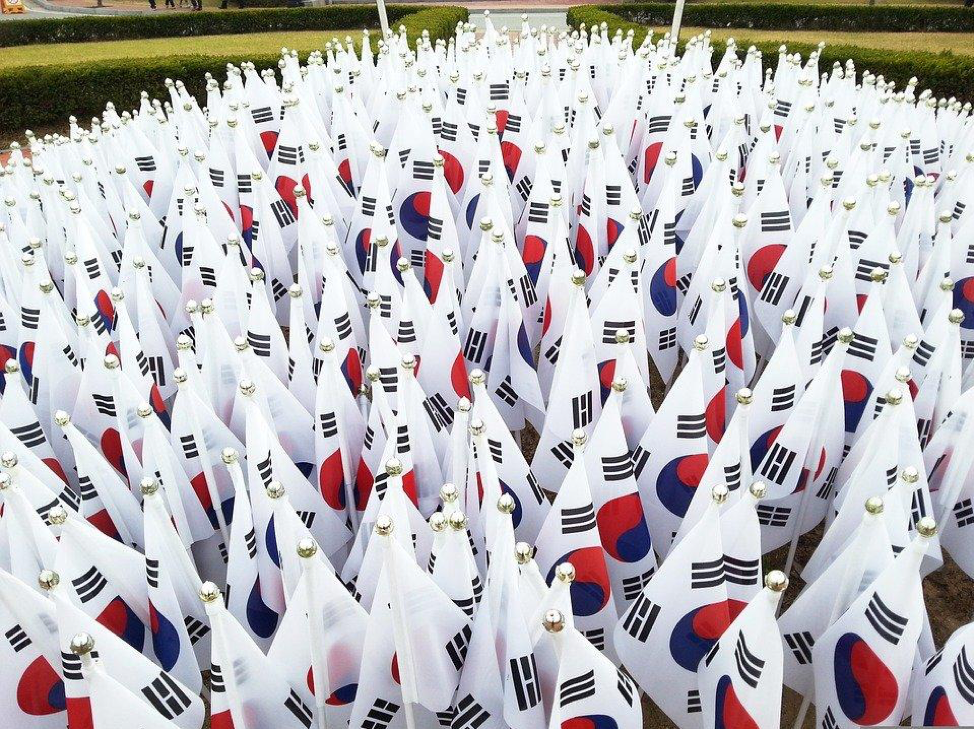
x: 844, y: 338
x: 850, y: 581
x: 327, y: 346
x: 307, y: 549
x: 214, y: 603
x: 180, y: 376
x: 383, y: 528
x: 383, y: 18
x: 675, y: 27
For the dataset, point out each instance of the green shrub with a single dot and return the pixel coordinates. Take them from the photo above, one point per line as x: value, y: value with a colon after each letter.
x: 42, y: 96
x: 775, y: 16
x: 81, y: 28
x: 944, y: 73
x: 592, y: 15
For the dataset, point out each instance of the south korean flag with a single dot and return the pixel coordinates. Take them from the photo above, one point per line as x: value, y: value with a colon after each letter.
x: 882, y: 627
x: 659, y: 638
x: 740, y: 679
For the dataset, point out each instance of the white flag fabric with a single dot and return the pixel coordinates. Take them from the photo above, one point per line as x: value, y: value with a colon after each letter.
x: 740, y: 679
x: 246, y: 687
x: 864, y: 660
x: 590, y: 688
x: 31, y: 681
x: 677, y: 618
x: 943, y: 685
x: 564, y: 288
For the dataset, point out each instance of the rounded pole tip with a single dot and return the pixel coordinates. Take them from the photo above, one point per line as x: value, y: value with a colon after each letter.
x: 437, y: 522
x: 578, y: 437
x: 927, y: 527
x: 553, y: 621
x: 523, y: 552
x: 48, y: 580
x: 776, y: 581
x: 307, y: 547
x: 449, y: 493
x: 719, y: 493
x: 874, y: 505
x: 82, y: 644
x: 148, y: 486
x: 275, y: 490
x: 506, y: 504
x: 565, y: 572
x: 209, y: 592
x: 758, y: 489
x: 229, y: 456
x: 383, y: 526
x: 394, y: 467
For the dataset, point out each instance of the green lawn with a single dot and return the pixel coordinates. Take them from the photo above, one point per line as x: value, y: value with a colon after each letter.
x: 212, y: 45
x: 958, y: 43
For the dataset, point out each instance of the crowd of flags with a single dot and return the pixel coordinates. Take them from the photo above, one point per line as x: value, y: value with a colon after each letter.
x: 272, y: 357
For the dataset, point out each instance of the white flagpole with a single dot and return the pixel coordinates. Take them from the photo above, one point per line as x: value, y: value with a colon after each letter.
x: 181, y: 378
x: 844, y: 338
x: 383, y: 528
x: 384, y: 19
x: 675, y: 27
x: 307, y: 549
x: 844, y: 596
x: 328, y: 347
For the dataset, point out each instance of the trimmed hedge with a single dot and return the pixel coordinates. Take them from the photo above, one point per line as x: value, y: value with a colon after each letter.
x: 83, y: 28
x: 43, y: 96
x: 592, y: 15
x: 774, y: 16
x: 943, y: 73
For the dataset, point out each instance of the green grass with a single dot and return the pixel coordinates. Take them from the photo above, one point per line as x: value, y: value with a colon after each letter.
x: 246, y: 45
x: 957, y: 43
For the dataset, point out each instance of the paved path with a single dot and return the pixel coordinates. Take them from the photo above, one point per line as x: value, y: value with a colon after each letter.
x: 552, y: 17
x: 35, y: 11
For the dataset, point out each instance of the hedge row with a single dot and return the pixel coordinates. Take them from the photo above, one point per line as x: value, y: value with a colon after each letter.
x: 44, y: 96
x: 944, y: 73
x: 82, y: 28
x: 774, y: 16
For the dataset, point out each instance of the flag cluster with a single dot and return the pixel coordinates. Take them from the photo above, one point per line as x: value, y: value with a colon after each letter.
x: 275, y: 362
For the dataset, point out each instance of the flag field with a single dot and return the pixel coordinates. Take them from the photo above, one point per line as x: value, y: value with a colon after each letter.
x: 488, y: 376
